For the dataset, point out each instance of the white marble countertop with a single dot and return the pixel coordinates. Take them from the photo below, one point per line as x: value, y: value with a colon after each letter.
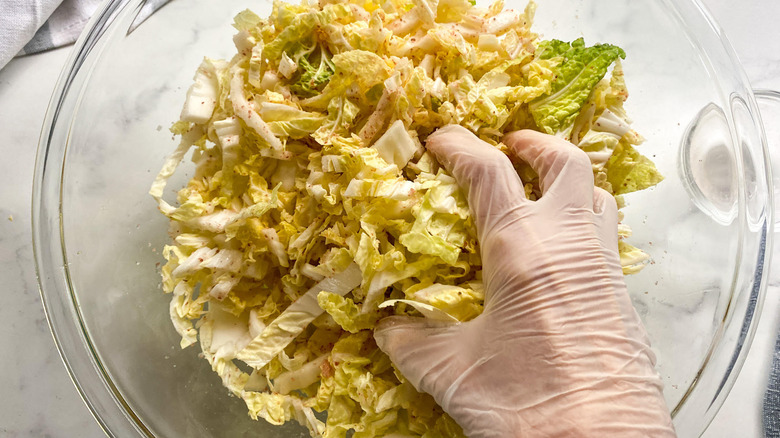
x: 39, y: 400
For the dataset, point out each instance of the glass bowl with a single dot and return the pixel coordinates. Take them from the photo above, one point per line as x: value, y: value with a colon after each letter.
x: 98, y: 235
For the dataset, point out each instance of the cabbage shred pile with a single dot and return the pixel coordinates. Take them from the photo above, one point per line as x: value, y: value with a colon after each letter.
x: 314, y: 209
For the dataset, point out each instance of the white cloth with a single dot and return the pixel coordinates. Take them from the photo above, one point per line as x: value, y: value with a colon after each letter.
x: 63, y: 26
x: 32, y: 26
x: 19, y: 20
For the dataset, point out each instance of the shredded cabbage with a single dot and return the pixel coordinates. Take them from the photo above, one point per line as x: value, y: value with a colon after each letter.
x: 314, y: 210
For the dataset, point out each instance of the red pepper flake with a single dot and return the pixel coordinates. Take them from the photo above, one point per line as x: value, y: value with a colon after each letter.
x: 326, y: 370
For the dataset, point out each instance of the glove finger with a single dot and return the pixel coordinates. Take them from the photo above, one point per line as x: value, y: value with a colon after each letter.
x: 604, y: 204
x: 422, y: 350
x: 605, y: 209
x: 482, y: 170
x: 564, y: 170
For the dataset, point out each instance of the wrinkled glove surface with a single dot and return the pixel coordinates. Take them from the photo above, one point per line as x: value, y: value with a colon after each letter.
x: 559, y: 350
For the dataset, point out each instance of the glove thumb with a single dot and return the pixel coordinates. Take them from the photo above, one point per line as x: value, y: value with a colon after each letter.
x: 423, y: 350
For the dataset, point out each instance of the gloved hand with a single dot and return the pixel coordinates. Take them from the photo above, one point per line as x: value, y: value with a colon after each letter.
x: 559, y: 350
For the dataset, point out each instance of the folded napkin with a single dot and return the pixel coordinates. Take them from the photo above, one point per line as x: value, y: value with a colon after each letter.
x: 19, y: 20
x: 32, y: 26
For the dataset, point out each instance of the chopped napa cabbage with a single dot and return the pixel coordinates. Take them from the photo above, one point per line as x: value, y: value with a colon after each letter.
x: 631, y: 258
x: 462, y: 303
x: 629, y: 171
x: 313, y: 210
x: 288, y: 121
x: 313, y: 78
x: 396, y: 146
x: 287, y: 66
x: 345, y: 312
x: 246, y: 20
x: 427, y: 310
x: 439, y: 228
x: 202, y: 95
x: 301, y: 27
x: 245, y: 110
x: 355, y: 68
x: 301, y: 377
x: 294, y: 320
x: 580, y: 69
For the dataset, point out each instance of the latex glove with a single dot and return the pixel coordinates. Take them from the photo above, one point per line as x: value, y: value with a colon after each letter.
x: 559, y: 349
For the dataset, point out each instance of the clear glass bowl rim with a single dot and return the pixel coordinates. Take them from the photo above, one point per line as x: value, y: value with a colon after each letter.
x: 92, y: 381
